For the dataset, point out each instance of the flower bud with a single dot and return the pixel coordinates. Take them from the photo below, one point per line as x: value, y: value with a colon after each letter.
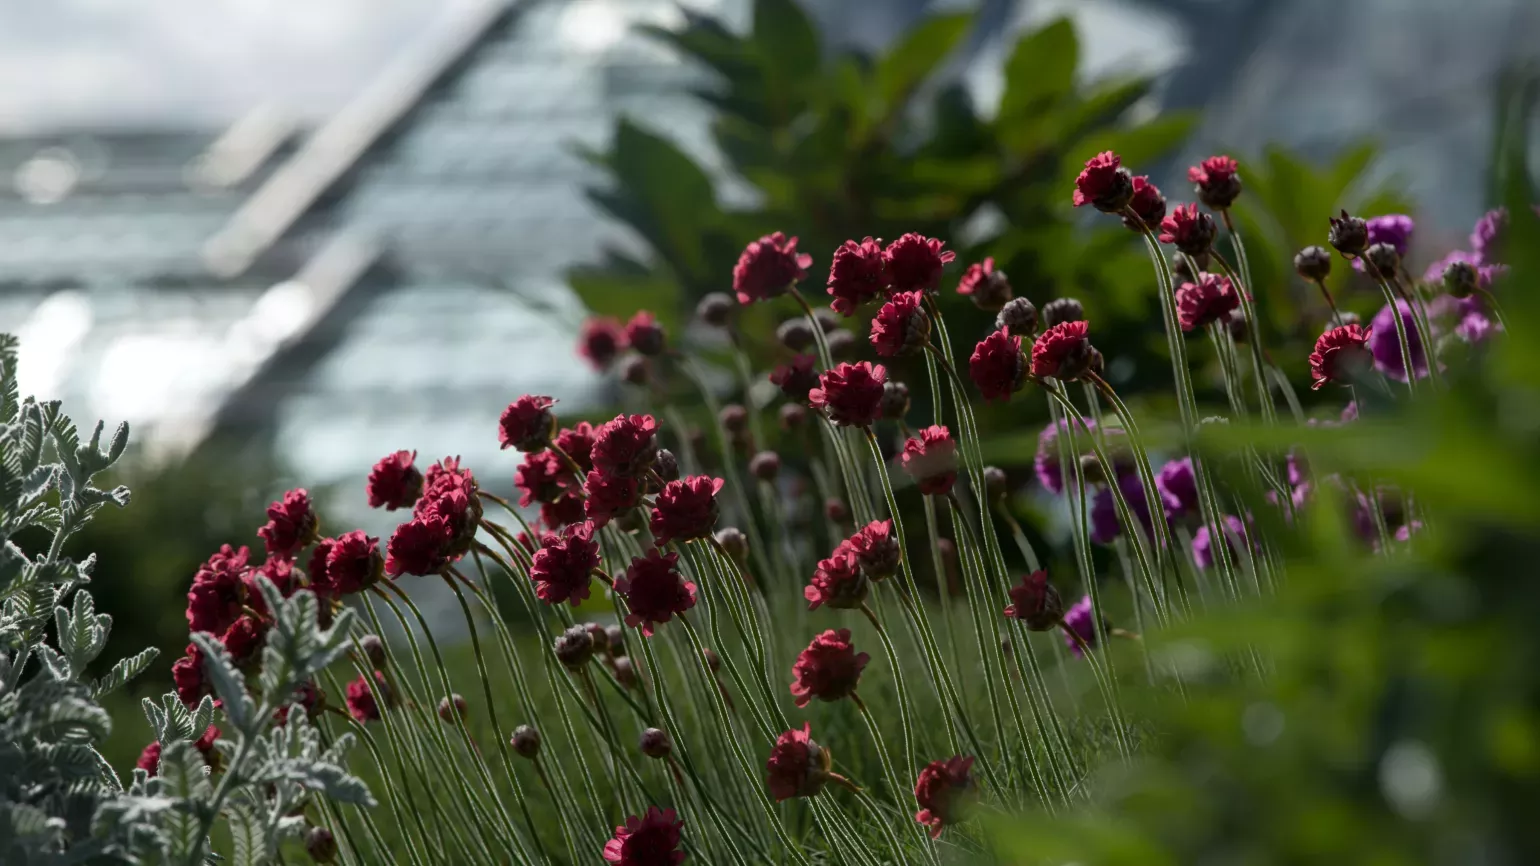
x: 601, y: 638
x: 712, y: 660
x: 574, y: 647
x: 374, y: 650
x: 842, y: 343
x: 1091, y: 469
x: 990, y: 290
x: 1181, y: 267
x: 525, y: 742
x: 1236, y: 322
x: 895, y: 400
x: 634, y: 370
x: 795, y: 334
x: 452, y: 708
x: 715, y: 309
x: 615, y: 639
x: 656, y: 744
x: 1061, y: 310
x: 1461, y: 279
x: 625, y: 672
x: 734, y: 418
x: 765, y: 465
x: 734, y: 542
x: 667, y: 465
x: 1019, y: 317
x: 1384, y: 259
x: 836, y: 510
x: 995, y: 483
x: 1348, y: 234
x: 321, y: 845
x: 827, y: 320
x: 1313, y: 263
x: 793, y: 415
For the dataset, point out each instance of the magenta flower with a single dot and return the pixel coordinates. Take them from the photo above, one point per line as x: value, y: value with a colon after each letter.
x: 563, y: 566
x: 852, y: 393
x: 394, y: 482
x: 914, y: 262
x: 527, y: 424
x: 768, y: 267
x: 856, y: 275
x: 651, y: 840
x: 654, y: 590
x: 685, y: 509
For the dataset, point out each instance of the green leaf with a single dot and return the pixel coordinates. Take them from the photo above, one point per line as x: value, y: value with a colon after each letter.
x: 125, y: 670
x: 663, y: 195
x: 610, y: 293
x: 247, y: 839
x: 787, y: 44
x: 1040, y: 71
x: 917, y: 55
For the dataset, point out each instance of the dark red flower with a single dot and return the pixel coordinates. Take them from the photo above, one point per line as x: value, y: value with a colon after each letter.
x: 856, y: 275
x: 310, y: 699
x: 645, y: 334
x: 149, y: 759
x: 651, y: 840
x: 600, y: 341
x: 542, y: 477
x: 218, y: 591
x: 829, y: 669
x: 626, y: 446
x: 1339, y: 353
x: 527, y: 424
x: 451, y: 496
x: 564, y: 565
x: 852, y: 393
x: 1036, y: 602
x: 768, y: 267
x: 564, y: 510
x: 419, y: 546
x: 837, y: 582
x: 1211, y: 299
x: 291, y: 524
x: 685, y: 509
x: 352, y: 564
x: 609, y: 496
x: 283, y: 576
x: 577, y: 442
x: 1217, y: 183
x: 362, y: 701
x: 1104, y: 183
x: 1148, y: 205
x: 901, y: 326
x: 187, y: 673
x: 931, y: 460
x: 654, y: 590
x: 1189, y: 229
x: 244, y: 639
x: 998, y: 367
x: 1063, y: 351
x: 797, y: 766
x: 876, y: 549
x: 986, y: 287
x: 914, y: 262
x: 394, y: 482
x: 944, y: 791
x: 796, y: 378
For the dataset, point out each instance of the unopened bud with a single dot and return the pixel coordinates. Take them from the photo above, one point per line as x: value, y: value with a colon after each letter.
x: 795, y: 334
x: 715, y: 309
x: 374, y: 650
x: 452, y: 708
x: 574, y: 647
x: 1461, y: 279
x: 1061, y: 310
x: 656, y: 744
x: 734, y: 542
x: 525, y: 742
x: 1313, y: 263
x: 895, y: 400
x: 321, y: 845
x: 765, y: 465
x: 995, y: 483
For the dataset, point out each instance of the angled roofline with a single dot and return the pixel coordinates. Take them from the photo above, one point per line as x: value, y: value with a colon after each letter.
x: 297, y: 184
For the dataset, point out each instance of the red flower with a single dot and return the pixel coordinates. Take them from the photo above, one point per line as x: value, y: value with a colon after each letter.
x: 564, y: 565
x: 608, y: 496
x: 1339, y: 353
x: 564, y: 510
x: 1216, y: 180
x: 347, y: 564
x: 218, y: 591
x: 644, y: 333
x: 1063, y: 351
x: 901, y: 326
x: 244, y: 638
x: 914, y: 262
x: 187, y: 673
x: 856, y: 275
x: 1104, y: 184
x: 1148, y: 205
x: 654, y: 590
x: 291, y: 524
x: 685, y: 509
x: 452, y: 498
x: 796, y: 378
x: 361, y: 698
x: 1191, y: 230
x: 998, y: 366
x: 419, y: 546
x: 577, y: 442
x: 797, y: 766
x: 600, y: 340
x: 852, y: 393
x: 931, y: 460
x: 626, y: 446
x: 1211, y: 299
x: 828, y: 669
x: 987, y: 287
x: 527, y: 424
x: 837, y: 582
x: 149, y: 759
x: 944, y: 791
x: 280, y: 572
x: 542, y: 477
x: 651, y: 840
x: 768, y: 267
x: 310, y: 699
x: 1035, y: 602
x: 394, y: 482
x: 876, y: 549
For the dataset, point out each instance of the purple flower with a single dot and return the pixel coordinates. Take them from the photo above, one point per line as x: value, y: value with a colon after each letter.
x: 1178, y: 488
x: 1476, y: 328
x: 1078, y: 619
x: 1393, y: 229
x: 1105, y: 526
x: 1385, y: 343
x: 1203, y: 546
x: 1486, y: 270
x: 1486, y: 237
x: 1046, y: 463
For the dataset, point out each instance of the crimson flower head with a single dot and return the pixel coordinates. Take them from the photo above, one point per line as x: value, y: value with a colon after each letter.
x: 797, y: 766
x: 347, y: 564
x: 1339, y: 354
x: 608, y: 496
x: 1216, y: 181
x: 626, y: 445
x: 149, y: 759
x: 685, y: 509
x: 291, y: 524
x: 1063, y: 351
x: 829, y: 669
x: 914, y: 262
x: 1035, y: 602
x: 542, y: 477
x: 394, y: 482
x: 565, y: 509
x: 362, y: 702
x: 187, y: 673
x: 988, y: 288
x: 931, y: 460
x: 945, y: 791
x: 768, y: 267
x: 419, y: 546
x: 563, y: 566
x: 451, y: 496
x: 852, y: 393
x: 651, y: 840
x: 796, y: 378
x: 1189, y: 229
x: 876, y: 549
x: 858, y: 274
x: 1211, y: 299
x: 837, y: 582
x: 527, y: 424
x: 600, y: 340
x: 577, y: 442
x: 1148, y: 205
x: 244, y: 638
x: 218, y: 591
x: 1104, y: 184
x: 654, y: 590
x: 645, y: 334
x: 901, y: 326
x: 998, y: 366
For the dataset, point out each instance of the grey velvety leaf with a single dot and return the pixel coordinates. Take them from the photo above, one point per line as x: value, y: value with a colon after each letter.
x: 229, y: 684
x: 125, y: 670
